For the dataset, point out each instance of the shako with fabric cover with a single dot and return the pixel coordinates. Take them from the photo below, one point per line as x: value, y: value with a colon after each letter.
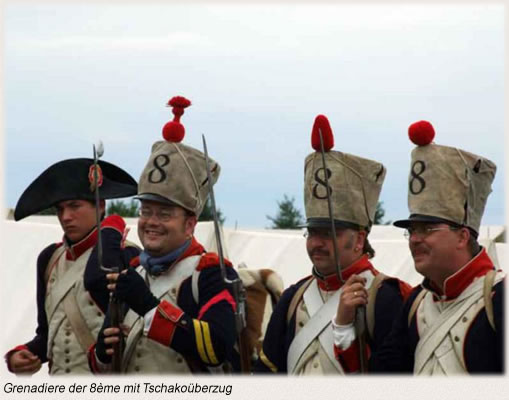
x: 354, y: 182
x: 446, y: 184
x: 175, y: 173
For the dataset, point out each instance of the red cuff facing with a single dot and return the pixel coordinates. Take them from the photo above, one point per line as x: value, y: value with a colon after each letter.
x: 164, y: 323
x: 10, y: 352
x: 92, y: 359
x: 114, y: 221
x: 134, y: 262
x: 223, y: 295
x: 349, y: 358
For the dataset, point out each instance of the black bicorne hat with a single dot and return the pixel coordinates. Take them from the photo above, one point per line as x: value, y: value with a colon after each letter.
x: 74, y: 179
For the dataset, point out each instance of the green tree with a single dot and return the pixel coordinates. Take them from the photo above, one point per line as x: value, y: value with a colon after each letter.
x: 379, y: 214
x: 122, y: 208
x: 288, y: 216
x: 207, y: 214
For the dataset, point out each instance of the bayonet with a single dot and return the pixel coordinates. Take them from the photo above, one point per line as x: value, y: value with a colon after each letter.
x: 360, y: 314
x: 239, y: 293
x: 114, y: 307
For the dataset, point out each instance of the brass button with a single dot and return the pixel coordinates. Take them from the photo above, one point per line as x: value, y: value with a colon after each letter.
x: 301, y: 324
x: 67, y: 361
x: 179, y: 360
x: 67, y: 341
x: 67, y: 370
x: 315, y: 365
x: 66, y: 351
x: 67, y: 333
x: 173, y: 291
x: 91, y: 302
x: 456, y: 339
x: 99, y: 314
x: 138, y: 354
x: 465, y: 319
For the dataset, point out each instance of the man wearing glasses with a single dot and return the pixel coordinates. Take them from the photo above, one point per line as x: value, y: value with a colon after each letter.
x: 299, y: 337
x: 453, y: 322
x: 181, y: 313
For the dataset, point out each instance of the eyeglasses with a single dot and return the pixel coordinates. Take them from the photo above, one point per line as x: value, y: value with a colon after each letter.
x: 163, y: 215
x: 424, y: 231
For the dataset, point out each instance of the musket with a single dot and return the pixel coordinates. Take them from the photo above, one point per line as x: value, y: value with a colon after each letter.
x: 114, y: 306
x: 360, y: 313
x: 239, y: 293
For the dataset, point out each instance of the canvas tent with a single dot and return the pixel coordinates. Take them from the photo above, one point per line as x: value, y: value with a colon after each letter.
x: 281, y: 250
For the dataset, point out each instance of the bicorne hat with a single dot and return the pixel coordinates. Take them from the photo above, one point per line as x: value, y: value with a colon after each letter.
x: 74, y: 179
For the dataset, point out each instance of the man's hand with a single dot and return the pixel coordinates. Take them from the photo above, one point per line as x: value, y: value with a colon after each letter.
x: 113, y: 229
x: 107, y: 337
x: 24, y: 362
x: 354, y: 294
x: 131, y: 289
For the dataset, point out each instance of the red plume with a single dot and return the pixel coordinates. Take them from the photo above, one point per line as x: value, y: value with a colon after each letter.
x: 174, y: 131
x: 421, y: 133
x: 322, y: 123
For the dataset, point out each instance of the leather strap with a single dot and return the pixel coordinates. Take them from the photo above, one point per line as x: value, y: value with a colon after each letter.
x: 415, y: 305
x: 370, y: 308
x: 489, y: 279
x: 296, y: 299
x: 78, y: 324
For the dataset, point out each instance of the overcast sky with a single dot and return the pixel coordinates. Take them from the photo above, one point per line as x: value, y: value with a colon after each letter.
x: 257, y: 76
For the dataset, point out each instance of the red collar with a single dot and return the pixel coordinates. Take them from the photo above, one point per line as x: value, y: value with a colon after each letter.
x: 455, y: 284
x: 332, y: 282
x: 194, y: 249
x: 74, y: 251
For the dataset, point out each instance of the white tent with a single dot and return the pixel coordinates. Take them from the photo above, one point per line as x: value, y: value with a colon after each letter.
x: 282, y: 250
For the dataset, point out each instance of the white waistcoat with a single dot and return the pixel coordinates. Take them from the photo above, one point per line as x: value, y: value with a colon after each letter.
x: 318, y: 358
x: 64, y: 349
x: 144, y: 355
x: 442, y: 329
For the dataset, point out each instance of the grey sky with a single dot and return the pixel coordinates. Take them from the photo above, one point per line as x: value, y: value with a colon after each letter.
x: 257, y: 76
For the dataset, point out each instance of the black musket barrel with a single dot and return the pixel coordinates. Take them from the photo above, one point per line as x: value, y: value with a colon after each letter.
x: 360, y: 313
x: 239, y: 292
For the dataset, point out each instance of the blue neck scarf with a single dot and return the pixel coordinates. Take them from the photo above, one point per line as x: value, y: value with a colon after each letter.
x: 155, y: 266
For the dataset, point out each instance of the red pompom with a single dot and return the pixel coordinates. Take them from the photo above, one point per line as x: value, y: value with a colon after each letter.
x: 179, y: 101
x: 421, y: 133
x: 322, y: 123
x: 174, y: 131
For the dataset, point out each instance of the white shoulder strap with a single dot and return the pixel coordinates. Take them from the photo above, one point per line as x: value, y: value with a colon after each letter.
x: 194, y: 285
x: 314, y: 327
x: 443, y: 324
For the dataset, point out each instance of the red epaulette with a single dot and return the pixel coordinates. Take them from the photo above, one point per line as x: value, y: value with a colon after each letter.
x: 211, y: 260
x: 405, y: 289
x: 135, y: 262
